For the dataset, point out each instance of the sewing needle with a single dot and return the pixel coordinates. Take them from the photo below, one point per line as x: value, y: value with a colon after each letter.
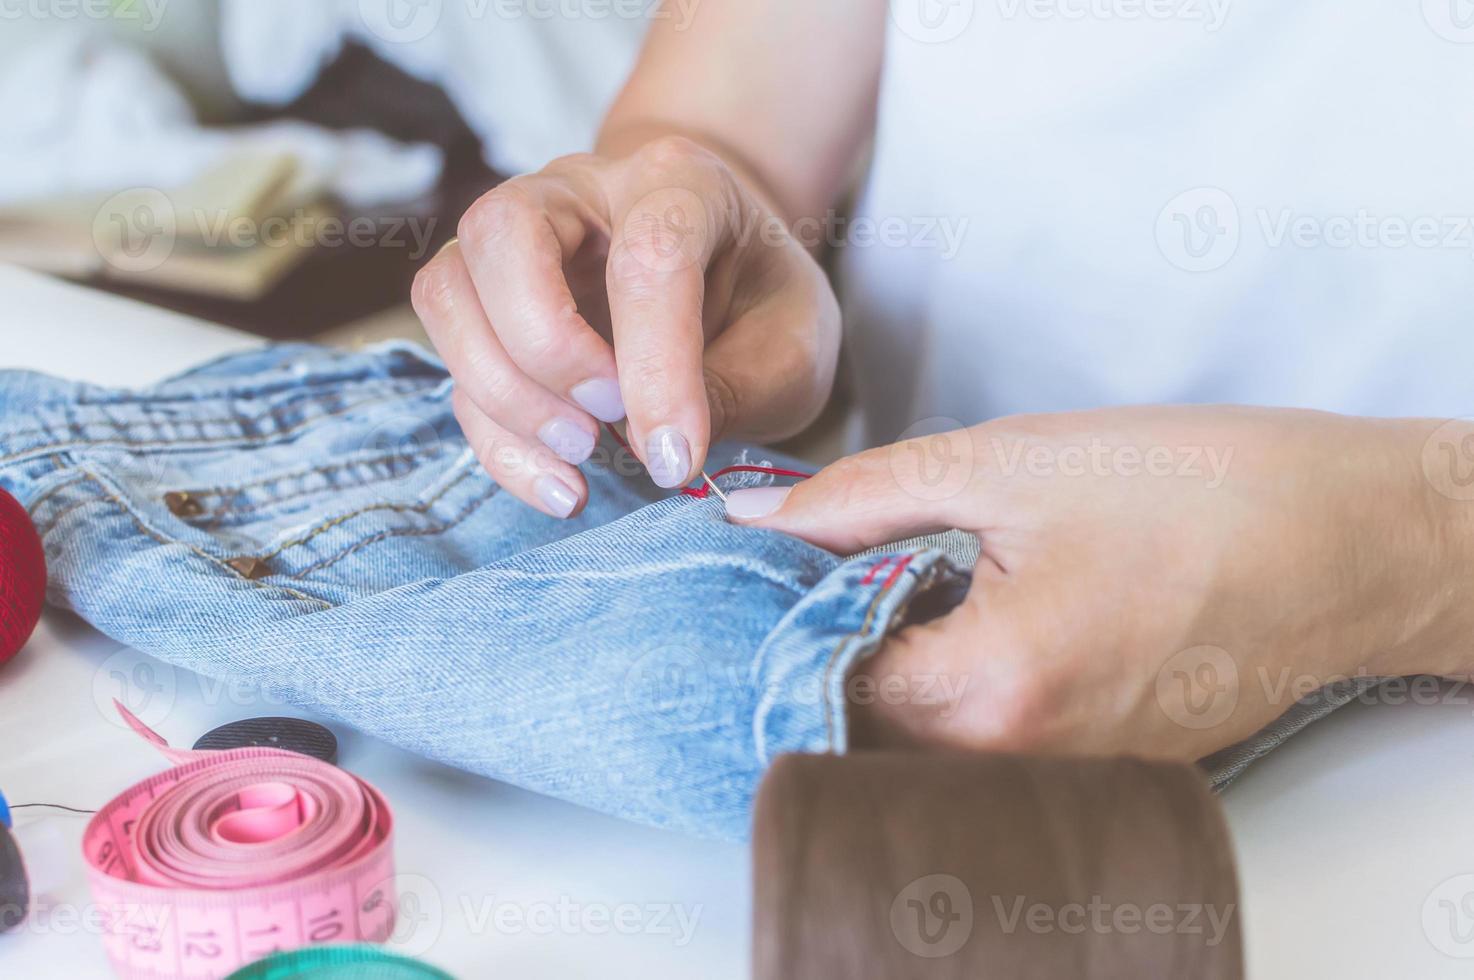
x: 714, y: 488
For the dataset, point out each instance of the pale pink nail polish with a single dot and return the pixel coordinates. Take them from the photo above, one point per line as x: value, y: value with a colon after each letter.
x: 752, y: 505
x: 600, y: 397
x: 557, y: 496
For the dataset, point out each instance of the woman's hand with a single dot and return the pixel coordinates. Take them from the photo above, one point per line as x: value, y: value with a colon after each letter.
x: 654, y: 285
x: 1161, y: 582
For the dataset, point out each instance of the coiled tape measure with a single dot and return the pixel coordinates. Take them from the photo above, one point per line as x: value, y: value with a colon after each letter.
x: 233, y: 855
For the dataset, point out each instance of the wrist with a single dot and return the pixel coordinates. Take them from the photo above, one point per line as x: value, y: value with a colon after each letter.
x: 1435, y: 527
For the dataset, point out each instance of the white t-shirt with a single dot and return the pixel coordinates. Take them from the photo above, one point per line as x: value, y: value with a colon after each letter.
x: 1078, y: 203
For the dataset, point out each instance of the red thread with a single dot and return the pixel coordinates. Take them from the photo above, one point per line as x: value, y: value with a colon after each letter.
x: 896, y: 573
x: 703, y: 491
x: 617, y: 437
x: 875, y: 570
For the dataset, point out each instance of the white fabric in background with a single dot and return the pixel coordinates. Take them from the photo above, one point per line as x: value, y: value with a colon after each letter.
x: 1090, y: 148
x: 532, y: 78
x: 81, y: 115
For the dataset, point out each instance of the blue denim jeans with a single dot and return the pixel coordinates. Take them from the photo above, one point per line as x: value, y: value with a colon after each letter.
x: 313, y: 522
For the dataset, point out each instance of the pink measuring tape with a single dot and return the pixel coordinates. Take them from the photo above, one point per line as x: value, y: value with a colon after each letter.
x: 233, y: 855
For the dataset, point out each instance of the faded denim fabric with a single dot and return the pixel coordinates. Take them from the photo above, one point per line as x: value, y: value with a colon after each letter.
x: 312, y: 521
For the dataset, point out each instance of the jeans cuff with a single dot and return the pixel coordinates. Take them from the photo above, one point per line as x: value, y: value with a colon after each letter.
x: 802, y: 670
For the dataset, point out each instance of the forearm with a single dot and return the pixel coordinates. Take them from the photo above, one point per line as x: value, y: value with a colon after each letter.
x: 784, y: 92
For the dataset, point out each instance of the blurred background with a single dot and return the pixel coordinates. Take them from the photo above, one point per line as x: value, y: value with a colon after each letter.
x: 277, y: 165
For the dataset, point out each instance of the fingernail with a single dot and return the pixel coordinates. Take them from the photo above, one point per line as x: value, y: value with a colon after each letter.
x: 556, y: 495
x: 667, y: 457
x: 600, y: 398
x: 750, y: 505
x: 568, y: 440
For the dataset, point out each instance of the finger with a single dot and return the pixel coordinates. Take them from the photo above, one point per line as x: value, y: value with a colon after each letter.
x: 664, y: 234
x: 867, y: 500
x: 527, y: 471
x: 448, y: 306
x: 515, y: 240
x: 769, y: 373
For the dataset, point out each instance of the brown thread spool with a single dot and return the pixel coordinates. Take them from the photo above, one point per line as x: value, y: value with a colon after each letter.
x: 892, y: 866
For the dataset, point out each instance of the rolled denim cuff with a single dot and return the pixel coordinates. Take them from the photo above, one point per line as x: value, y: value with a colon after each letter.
x: 803, y: 670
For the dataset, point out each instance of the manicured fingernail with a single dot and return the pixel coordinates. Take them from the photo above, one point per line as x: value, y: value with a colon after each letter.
x: 667, y: 457
x: 569, y: 440
x: 750, y: 505
x: 556, y: 495
x: 600, y: 398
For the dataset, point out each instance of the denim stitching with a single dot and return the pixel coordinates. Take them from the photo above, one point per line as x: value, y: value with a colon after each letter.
x: 57, y: 518
x: 103, y: 418
x: 51, y: 493
x: 162, y: 538
x: 398, y: 533
x: 839, y: 647
x: 291, y: 387
x: 397, y: 508
x: 226, y: 491
x: 225, y: 508
x: 226, y: 389
x: 200, y: 440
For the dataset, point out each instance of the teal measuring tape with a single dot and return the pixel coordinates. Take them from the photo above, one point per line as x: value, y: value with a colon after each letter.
x: 357, y: 962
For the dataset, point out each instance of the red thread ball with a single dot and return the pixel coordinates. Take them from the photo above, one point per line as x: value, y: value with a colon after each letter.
x: 22, y: 577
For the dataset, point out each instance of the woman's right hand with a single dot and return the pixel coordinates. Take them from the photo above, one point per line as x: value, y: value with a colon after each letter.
x: 655, y: 286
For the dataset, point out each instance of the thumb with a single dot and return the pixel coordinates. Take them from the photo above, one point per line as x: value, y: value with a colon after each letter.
x: 877, y: 497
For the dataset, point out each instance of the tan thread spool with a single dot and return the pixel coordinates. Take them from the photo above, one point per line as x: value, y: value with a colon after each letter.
x: 892, y: 866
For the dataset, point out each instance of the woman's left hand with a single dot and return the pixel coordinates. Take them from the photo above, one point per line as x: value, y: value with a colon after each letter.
x: 1156, y: 581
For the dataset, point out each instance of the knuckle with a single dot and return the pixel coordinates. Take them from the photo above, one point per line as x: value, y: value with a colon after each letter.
x: 638, y: 261
x: 675, y: 153
x: 432, y: 294
x: 649, y: 372
x: 1023, y: 714
x: 848, y: 486
x: 497, y: 216
x: 721, y: 396
x: 556, y: 340
x: 494, y: 390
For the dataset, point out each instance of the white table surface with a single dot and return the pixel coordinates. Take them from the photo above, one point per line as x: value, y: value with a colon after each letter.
x: 1346, y: 837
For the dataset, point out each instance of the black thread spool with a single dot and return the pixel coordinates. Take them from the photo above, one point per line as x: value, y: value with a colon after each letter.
x: 15, y: 887
x: 890, y: 866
